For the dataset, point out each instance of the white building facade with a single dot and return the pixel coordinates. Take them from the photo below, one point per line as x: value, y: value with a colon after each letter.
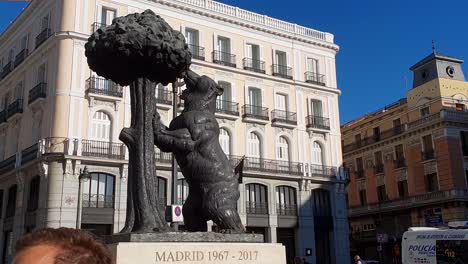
x: 279, y: 109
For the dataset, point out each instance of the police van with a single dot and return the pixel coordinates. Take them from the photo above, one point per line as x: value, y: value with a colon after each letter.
x: 426, y: 245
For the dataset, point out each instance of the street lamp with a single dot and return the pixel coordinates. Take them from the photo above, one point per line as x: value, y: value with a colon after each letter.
x: 84, y: 175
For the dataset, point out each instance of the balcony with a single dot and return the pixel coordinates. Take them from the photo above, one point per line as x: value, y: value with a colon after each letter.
x: 102, y: 149
x: 39, y: 91
x: 282, y: 71
x: 257, y: 208
x: 428, y: 154
x: 15, y: 108
x: 227, y: 107
x: 101, y: 86
x: 164, y: 97
x: 317, y: 122
x: 269, y: 166
x: 198, y: 52
x: 379, y: 168
x: 322, y: 171
x: 42, y: 37
x: 315, y: 78
x: 254, y: 65
x: 399, y: 163
x: 359, y: 173
x: 224, y: 58
x: 7, y: 164
x: 96, y: 25
x: 20, y: 57
x: 29, y: 154
x: 162, y: 157
x: 98, y: 201
x: 253, y: 112
x: 286, y: 209
x: 6, y: 70
x: 279, y: 117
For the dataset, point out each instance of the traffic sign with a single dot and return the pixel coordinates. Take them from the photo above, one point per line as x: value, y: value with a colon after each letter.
x: 176, y: 213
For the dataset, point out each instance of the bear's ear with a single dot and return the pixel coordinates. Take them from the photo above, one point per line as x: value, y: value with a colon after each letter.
x: 219, y: 90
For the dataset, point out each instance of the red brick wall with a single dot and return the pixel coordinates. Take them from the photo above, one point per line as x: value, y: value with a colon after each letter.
x: 391, y: 182
x: 450, y: 167
x: 416, y: 184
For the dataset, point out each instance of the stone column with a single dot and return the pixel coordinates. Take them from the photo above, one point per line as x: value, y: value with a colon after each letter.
x: 241, y: 204
x: 271, y: 234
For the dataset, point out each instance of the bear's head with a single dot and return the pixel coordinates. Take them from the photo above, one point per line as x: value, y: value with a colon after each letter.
x: 200, y: 93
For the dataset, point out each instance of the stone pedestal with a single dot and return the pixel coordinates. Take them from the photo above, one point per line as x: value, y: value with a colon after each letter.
x: 188, y: 248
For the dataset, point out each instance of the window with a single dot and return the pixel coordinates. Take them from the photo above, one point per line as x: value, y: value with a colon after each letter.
x: 286, y: 200
x: 363, y: 197
x: 182, y: 191
x: 397, y: 126
x: 98, y: 192
x: 224, y: 100
x: 41, y: 74
x: 45, y: 22
x: 7, y: 246
x: 281, y: 102
x: 460, y: 107
x: 254, y: 149
x: 255, y: 97
x: 101, y: 127
x: 316, y: 108
x: 322, y: 205
x: 225, y: 141
x: 224, y: 45
x: 11, y: 55
x: 33, y: 198
x: 1, y: 204
x: 399, y: 154
x: 428, y: 149
x: 24, y: 42
x: 317, y: 153
x: 282, y: 149
x: 281, y: 59
x: 464, y: 142
x: 381, y: 193
x: 359, y: 167
x: 313, y: 65
x: 403, y: 188
x: 19, y: 90
x: 162, y: 192
x: 431, y: 182
x: 11, y: 202
x: 425, y: 111
x: 107, y: 15
x: 376, y: 133
x: 256, y: 198
x: 253, y: 53
x: 192, y: 37
x: 2, y: 146
x: 379, y: 165
x: 357, y: 139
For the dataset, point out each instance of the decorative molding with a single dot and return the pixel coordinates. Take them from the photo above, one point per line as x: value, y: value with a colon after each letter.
x: 279, y: 130
x: 255, y: 125
x: 223, y: 73
x: 252, y: 79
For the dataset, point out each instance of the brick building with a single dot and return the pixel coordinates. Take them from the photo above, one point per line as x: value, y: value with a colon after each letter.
x: 408, y: 160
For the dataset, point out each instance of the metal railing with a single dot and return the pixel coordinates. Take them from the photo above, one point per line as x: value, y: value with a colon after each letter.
x: 224, y: 58
x: 257, y: 208
x: 6, y: 69
x: 96, y: 25
x: 55, y: 145
x: 163, y: 96
x: 282, y: 71
x: 284, y: 117
x: 254, y: 65
x: 373, y: 139
x: 98, y: 85
x: 286, y: 209
x: 103, y: 149
x: 29, y: 154
x: 197, y: 52
x: 399, y: 163
x: 322, y: 171
x: 227, y: 107
x: 98, y: 201
x: 42, y: 37
x: 254, y: 111
x: 318, y: 122
x: 315, y: 78
x: 20, y: 57
x: 15, y: 108
x: 162, y: 157
x: 428, y: 154
x: 7, y: 164
x: 269, y: 165
x: 39, y: 91
x: 379, y: 168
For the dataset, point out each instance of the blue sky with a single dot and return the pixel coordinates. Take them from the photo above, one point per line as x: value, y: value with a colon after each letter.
x: 379, y: 40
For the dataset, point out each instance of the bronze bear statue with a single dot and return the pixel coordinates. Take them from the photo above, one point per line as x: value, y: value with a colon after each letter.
x: 193, y: 137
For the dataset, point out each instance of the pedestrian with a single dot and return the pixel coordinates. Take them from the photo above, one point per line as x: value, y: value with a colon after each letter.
x: 357, y: 260
x: 61, y: 246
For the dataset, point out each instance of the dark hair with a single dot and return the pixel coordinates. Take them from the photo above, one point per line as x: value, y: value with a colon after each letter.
x: 77, y: 247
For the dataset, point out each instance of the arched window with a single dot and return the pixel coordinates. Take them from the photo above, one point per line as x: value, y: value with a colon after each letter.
x: 182, y: 191
x: 162, y: 192
x: 101, y: 127
x: 256, y: 198
x: 225, y: 141
x: 286, y: 200
x: 282, y: 149
x: 99, y: 191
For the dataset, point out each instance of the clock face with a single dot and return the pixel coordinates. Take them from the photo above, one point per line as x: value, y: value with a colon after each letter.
x: 450, y: 71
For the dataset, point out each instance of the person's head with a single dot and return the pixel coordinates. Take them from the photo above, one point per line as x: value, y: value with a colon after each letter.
x: 61, y: 246
x: 357, y: 257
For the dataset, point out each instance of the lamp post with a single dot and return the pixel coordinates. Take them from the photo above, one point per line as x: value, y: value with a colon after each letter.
x: 84, y: 175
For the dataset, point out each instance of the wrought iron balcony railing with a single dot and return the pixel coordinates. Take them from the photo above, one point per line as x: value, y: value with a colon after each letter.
x: 42, y: 37
x: 283, y: 117
x: 286, y: 209
x: 254, y: 111
x: 254, y: 65
x: 257, y: 208
x: 6, y: 70
x: 15, y: 108
x: 428, y: 154
x: 96, y: 25
x: 103, y: 149
x: 224, y: 58
x: 268, y: 165
x: 399, y: 163
x: 197, y: 52
x: 322, y: 171
x: 7, y: 164
x: 29, y: 154
x: 163, y: 96
x: 20, y: 57
x: 98, y: 85
x: 318, y: 122
x: 282, y: 71
x: 162, y: 157
x: 227, y: 107
x: 98, y: 201
x: 39, y: 91
x: 315, y: 78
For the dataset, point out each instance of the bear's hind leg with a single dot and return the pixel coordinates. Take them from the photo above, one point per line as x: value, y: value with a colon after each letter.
x: 194, y: 219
